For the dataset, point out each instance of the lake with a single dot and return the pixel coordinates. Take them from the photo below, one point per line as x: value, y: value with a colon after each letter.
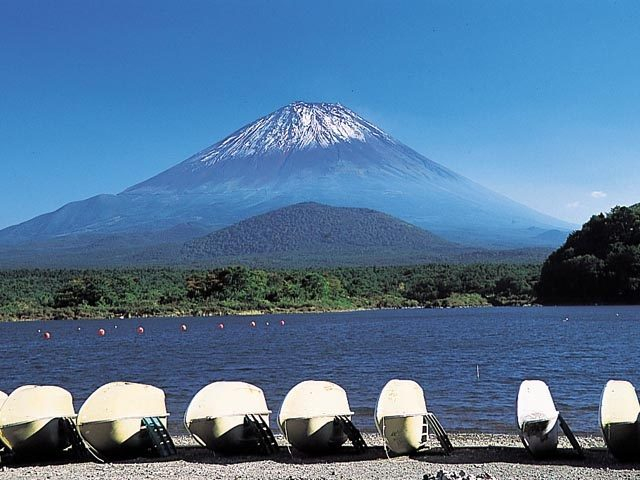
x: 574, y: 349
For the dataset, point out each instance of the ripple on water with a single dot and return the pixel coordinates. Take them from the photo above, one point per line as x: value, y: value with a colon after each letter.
x: 443, y: 350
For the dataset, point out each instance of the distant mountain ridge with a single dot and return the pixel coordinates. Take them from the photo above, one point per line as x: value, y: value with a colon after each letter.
x: 303, y: 152
x: 317, y: 235
x: 297, y: 236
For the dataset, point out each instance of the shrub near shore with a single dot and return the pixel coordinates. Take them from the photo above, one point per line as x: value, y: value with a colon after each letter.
x: 27, y: 294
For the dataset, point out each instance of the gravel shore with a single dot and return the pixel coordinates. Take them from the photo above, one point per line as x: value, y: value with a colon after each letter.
x: 477, y: 456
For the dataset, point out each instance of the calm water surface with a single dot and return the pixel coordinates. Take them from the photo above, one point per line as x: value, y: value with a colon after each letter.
x: 574, y: 349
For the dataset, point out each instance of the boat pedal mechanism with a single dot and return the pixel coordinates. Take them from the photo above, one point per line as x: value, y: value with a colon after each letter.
x: 266, y: 441
x: 80, y: 449
x: 352, y: 433
x: 161, y: 440
x: 431, y: 421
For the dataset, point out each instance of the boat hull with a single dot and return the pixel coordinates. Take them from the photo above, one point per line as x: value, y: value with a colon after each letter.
x: 402, y: 434
x: 540, y: 437
x: 43, y: 437
x: 110, y: 420
x: 227, y: 434
x: 623, y: 440
x: 118, y: 438
x: 314, y: 435
x: 537, y: 418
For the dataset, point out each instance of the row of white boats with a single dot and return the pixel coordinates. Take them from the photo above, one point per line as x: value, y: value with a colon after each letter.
x: 539, y: 422
x: 123, y: 419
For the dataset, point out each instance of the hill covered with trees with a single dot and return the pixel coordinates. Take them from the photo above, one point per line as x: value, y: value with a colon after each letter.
x: 334, y: 235
x: 598, y: 264
x: 314, y: 235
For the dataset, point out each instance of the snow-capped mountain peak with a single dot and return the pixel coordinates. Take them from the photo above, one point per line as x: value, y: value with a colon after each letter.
x: 303, y: 152
x: 297, y: 126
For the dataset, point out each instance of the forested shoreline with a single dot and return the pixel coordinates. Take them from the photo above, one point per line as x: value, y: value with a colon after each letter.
x: 60, y: 294
x: 599, y: 263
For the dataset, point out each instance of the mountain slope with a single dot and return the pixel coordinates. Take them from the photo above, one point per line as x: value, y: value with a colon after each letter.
x: 312, y: 228
x: 317, y: 235
x: 302, y: 152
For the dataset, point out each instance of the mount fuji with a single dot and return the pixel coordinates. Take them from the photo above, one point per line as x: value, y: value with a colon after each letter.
x: 303, y: 152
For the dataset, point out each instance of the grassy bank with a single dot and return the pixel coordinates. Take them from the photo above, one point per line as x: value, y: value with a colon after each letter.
x: 27, y: 294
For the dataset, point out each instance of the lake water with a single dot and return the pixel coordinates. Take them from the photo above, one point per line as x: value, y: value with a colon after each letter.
x: 574, y: 349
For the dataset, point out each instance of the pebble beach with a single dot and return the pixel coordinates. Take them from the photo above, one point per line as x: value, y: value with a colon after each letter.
x: 476, y: 456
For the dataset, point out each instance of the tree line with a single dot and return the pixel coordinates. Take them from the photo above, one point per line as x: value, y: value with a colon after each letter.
x: 599, y: 263
x: 50, y: 294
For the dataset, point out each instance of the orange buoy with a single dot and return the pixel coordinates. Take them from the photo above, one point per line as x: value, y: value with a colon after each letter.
x: 221, y: 326
x: 140, y: 330
x: 253, y: 324
x: 282, y: 323
x: 183, y: 328
x: 101, y: 332
x: 46, y: 335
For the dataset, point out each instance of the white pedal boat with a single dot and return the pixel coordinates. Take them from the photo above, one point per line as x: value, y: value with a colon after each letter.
x: 230, y: 417
x: 539, y: 421
x: 619, y: 412
x: 313, y: 414
x: 111, y: 419
x: 402, y: 418
x: 31, y: 420
x: 3, y: 397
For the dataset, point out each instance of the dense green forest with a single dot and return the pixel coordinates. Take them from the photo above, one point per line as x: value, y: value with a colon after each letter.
x: 317, y: 228
x: 27, y: 294
x: 598, y: 264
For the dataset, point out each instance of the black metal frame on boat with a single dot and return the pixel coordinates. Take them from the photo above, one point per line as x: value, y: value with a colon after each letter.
x: 82, y: 451
x: 266, y: 441
x: 572, y: 438
x: 161, y: 442
x: 6, y: 455
x: 352, y: 432
x: 431, y: 421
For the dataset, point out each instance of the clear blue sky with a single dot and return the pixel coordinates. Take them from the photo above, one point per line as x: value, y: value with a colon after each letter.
x: 538, y: 100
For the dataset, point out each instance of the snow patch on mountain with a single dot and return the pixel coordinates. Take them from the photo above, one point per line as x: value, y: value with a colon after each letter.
x: 297, y: 126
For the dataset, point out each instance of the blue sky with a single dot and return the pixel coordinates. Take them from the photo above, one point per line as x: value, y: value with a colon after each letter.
x: 537, y: 100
